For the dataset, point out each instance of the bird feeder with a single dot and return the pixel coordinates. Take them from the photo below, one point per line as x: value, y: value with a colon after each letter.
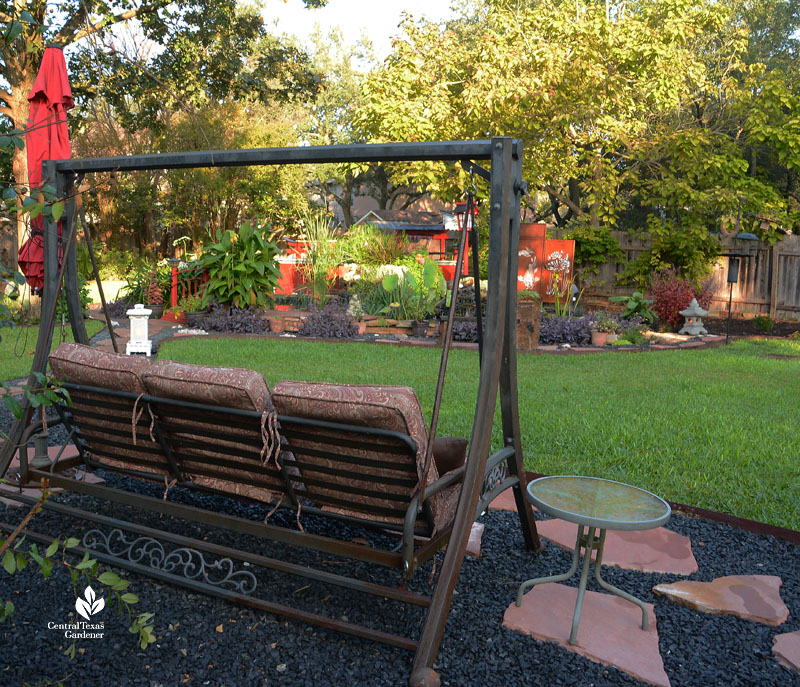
x: 693, y: 324
x: 139, y: 341
x: 740, y: 250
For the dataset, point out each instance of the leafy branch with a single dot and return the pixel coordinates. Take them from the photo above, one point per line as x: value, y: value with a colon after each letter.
x: 16, y: 558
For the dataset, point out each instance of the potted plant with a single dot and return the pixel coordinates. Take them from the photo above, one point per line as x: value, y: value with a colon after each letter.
x: 176, y: 314
x: 276, y: 324
x: 603, y: 326
x: 194, y: 310
x: 528, y: 314
x: 154, y: 299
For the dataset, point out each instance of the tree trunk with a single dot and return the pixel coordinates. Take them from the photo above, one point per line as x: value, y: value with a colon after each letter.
x: 22, y: 78
x: 347, y: 199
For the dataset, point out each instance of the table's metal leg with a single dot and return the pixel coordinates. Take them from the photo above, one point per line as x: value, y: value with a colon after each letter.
x: 554, y: 578
x: 587, y: 559
x: 611, y: 587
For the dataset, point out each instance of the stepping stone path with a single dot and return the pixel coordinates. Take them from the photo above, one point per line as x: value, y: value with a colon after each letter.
x: 610, y: 629
x: 653, y: 551
x: 755, y: 597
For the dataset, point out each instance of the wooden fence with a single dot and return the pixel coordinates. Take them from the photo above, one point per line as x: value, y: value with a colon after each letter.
x: 769, y: 278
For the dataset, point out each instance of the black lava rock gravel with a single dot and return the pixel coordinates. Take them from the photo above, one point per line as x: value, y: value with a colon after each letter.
x: 206, y: 641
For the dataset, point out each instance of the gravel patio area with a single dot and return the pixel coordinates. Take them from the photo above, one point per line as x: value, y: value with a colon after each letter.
x: 206, y: 641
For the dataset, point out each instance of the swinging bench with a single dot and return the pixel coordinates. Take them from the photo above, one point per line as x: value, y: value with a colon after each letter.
x: 357, y: 455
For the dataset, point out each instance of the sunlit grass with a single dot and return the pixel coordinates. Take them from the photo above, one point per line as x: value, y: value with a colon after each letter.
x: 716, y: 428
x: 18, y: 345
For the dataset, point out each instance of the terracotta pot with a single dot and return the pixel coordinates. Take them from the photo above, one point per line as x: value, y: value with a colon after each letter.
x: 276, y: 325
x: 362, y: 327
x: 599, y: 338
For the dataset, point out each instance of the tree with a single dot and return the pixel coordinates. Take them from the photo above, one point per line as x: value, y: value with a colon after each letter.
x: 641, y: 106
x: 33, y: 24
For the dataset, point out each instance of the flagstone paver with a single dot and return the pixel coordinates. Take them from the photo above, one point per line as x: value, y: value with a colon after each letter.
x: 475, y: 537
x: 787, y: 650
x: 610, y: 630
x: 658, y: 550
x: 505, y: 501
x: 754, y: 597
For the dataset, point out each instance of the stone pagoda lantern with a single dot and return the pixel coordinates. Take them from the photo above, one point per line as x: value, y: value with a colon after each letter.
x: 139, y: 341
x: 693, y: 325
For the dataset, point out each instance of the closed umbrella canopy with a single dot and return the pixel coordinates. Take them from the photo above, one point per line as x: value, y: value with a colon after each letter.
x: 47, y: 138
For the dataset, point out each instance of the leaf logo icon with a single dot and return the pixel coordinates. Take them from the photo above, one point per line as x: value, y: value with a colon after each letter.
x: 90, y: 605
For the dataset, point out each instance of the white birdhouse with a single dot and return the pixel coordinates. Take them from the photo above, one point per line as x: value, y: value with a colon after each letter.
x: 139, y: 341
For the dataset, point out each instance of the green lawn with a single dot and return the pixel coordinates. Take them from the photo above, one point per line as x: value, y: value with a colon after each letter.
x: 18, y: 345
x: 716, y: 428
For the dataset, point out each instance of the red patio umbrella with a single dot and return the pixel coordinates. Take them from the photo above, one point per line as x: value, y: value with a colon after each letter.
x: 47, y: 138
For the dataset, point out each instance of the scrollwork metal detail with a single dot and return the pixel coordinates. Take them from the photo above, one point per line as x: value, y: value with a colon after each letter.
x: 185, y: 562
x: 496, y: 475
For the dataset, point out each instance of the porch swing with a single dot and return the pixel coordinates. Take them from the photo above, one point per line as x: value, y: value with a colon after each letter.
x: 357, y: 455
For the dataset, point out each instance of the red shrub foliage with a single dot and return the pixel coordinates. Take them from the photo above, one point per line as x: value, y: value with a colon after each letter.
x: 672, y: 293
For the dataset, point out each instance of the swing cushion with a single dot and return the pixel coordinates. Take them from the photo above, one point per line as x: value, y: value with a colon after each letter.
x: 108, y: 426
x: 204, y: 449
x: 393, y: 408
x: 231, y: 387
x: 80, y: 364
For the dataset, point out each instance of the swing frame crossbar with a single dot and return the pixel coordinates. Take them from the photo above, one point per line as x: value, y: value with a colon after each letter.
x: 497, y: 356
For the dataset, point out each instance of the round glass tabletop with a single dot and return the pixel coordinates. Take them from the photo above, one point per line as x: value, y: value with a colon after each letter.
x: 598, y: 502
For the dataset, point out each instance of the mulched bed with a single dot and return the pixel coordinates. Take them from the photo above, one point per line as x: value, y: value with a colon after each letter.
x: 205, y: 641
x: 746, y: 327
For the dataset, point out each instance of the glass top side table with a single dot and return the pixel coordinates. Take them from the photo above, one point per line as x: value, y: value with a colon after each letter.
x: 595, y: 504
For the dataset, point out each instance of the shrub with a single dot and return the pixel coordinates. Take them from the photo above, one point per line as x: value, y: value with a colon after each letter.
x: 415, y: 297
x: 118, y: 308
x: 332, y: 322
x: 554, y: 329
x: 594, y: 246
x: 365, y: 244
x: 465, y: 330
x: 322, y: 254
x: 153, y: 296
x: 241, y: 267
x: 671, y: 294
x: 140, y: 281
x: 85, y: 300
x: 636, y: 305
x: 764, y: 323
x: 235, y: 320
x: 635, y: 337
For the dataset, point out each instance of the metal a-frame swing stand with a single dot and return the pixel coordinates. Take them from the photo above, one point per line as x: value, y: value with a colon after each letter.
x: 498, y: 368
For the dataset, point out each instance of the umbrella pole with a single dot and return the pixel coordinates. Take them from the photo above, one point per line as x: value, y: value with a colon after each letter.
x: 51, y: 288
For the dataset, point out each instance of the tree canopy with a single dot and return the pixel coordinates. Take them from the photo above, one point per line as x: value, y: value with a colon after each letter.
x: 198, y: 50
x: 649, y: 114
